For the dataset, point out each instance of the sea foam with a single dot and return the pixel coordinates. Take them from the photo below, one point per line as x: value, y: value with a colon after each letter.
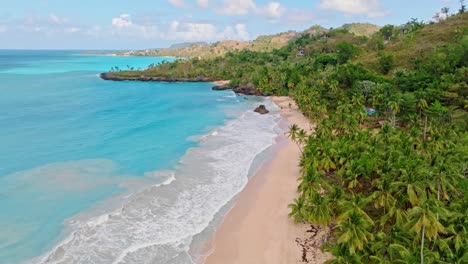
x: 157, y: 224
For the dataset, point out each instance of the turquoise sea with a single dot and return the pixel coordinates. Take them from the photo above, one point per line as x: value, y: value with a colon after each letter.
x: 94, y: 171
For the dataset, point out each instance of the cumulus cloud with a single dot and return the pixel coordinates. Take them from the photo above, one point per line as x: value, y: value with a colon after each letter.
x: 190, y: 31
x: 177, y: 30
x: 371, y: 8
x: 237, y: 7
x: 241, y: 31
x: 122, y: 21
x: 271, y: 10
x: 203, y: 4
x: 179, y: 3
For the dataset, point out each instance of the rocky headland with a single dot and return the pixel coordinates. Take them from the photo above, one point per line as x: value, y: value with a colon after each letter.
x: 247, y: 89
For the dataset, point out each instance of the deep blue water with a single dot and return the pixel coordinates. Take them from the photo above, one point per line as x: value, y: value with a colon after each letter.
x: 69, y: 140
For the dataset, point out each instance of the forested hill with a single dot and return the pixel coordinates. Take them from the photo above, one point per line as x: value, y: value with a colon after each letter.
x: 387, y: 167
x: 265, y: 43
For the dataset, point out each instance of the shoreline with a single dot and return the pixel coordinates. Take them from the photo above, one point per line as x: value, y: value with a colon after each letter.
x: 257, y: 228
x: 185, y: 212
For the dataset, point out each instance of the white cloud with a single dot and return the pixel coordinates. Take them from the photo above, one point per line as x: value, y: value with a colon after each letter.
x: 191, y: 31
x: 237, y: 7
x: 271, y: 10
x: 371, y: 8
x: 242, y: 33
x: 179, y: 3
x: 177, y: 30
x: 3, y: 28
x: 203, y: 4
x: 122, y: 21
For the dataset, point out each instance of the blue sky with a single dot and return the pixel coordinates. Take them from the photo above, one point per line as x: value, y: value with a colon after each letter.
x: 141, y: 24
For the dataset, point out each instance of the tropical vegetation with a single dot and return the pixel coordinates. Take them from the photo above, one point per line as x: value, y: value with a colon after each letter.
x: 386, y: 167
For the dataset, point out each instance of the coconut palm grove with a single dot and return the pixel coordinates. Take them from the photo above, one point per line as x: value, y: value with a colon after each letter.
x: 385, y: 166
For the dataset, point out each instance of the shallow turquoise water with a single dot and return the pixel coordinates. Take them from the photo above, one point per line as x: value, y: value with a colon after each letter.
x: 69, y: 140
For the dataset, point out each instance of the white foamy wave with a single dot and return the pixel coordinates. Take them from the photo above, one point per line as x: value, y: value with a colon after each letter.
x: 157, y: 224
x: 98, y: 220
x: 169, y: 177
x: 201, y: 138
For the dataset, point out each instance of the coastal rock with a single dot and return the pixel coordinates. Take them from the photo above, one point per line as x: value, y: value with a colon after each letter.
x: 261, y: 110
x: 221, y: 88
x: 247, y: 90
x: 240, y: 89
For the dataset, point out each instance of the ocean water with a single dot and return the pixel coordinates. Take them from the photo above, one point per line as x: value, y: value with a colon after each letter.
x: 93, y: 171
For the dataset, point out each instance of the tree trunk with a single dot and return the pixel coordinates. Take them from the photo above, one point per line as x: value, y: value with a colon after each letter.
x: 438, y: 196
x: 425, y: 128
x: 299, y: 146
x: 422, y: 244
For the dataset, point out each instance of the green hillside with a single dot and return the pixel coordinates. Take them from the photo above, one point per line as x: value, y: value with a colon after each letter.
x: 264, y: 43
x: 361, y: 29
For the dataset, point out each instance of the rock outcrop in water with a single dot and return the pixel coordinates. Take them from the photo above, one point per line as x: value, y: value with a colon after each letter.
x: 221, y: 87
x: 261, y: 110
x: 241, y: 89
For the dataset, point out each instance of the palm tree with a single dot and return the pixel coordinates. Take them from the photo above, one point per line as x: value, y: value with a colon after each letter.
x: 410, y: 186
x: 395, y: 108
x: 421, y: 106
x: 302, y: 137
x: 424, y: 222
x: 401, y: 254
x: 354, y: 231
x: 382, y: 196
x: 297, y: 135
x: 342, y: 256
x: 318, y: 209
x: 356, y: 203
x: 297, y: 209
x: 446, y: 176
x: 310, y: 181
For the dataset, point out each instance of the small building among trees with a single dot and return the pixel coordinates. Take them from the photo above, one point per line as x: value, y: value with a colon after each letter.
x: 300, y: 52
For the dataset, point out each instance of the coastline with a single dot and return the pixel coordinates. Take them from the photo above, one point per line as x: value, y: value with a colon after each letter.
x: 165, y: 219
x: 257, y: 229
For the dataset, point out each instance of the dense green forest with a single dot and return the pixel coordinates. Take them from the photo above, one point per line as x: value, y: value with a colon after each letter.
x: 387, y: 165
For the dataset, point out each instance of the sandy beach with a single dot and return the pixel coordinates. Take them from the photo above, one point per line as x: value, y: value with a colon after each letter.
x: 257, y: 229
x: 222, y: 82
